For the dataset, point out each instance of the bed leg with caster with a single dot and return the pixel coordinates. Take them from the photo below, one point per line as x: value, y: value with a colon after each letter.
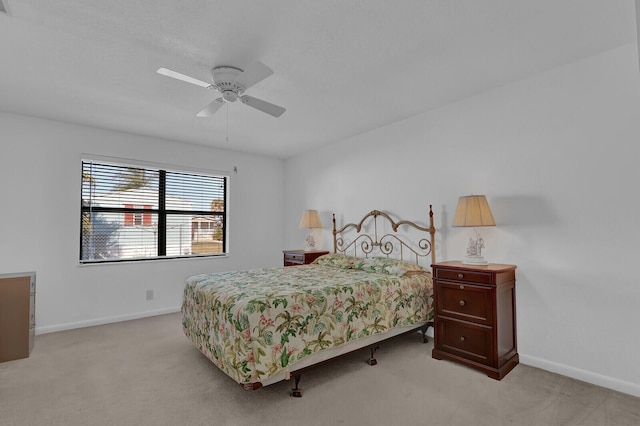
x: 296, y: 392
x: 372, y: 360
x: 424, y: 329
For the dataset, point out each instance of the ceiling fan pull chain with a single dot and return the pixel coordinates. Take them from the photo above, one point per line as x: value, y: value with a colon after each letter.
x: 227, y: 122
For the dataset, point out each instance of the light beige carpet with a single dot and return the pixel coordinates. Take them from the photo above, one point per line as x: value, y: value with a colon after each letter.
x: 146, y: 372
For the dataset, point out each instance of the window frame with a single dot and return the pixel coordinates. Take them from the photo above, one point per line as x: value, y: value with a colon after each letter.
x: 145, y: 211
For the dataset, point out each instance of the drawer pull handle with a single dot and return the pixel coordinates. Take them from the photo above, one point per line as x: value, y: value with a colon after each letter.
x: 462, y: 303
x: 463, y: 339
x: 460, y: 275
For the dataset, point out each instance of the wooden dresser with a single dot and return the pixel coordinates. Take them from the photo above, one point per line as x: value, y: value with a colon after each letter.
x: 301, y: 257
x: 17, y: 315
x: 475, y: 316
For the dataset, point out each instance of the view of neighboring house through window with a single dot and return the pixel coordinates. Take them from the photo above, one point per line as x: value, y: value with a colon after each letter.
x: 144, y: 213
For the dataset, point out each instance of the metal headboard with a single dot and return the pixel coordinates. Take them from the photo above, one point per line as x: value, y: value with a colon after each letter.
x: 387, y: 244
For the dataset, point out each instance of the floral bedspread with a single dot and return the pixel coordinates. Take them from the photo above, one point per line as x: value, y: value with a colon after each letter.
x: 253, y: 324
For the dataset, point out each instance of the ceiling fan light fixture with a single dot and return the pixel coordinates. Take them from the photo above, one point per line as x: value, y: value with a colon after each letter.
x: 229, y: 96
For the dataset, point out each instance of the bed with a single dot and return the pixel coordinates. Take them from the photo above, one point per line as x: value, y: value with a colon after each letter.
x: 262, y: 326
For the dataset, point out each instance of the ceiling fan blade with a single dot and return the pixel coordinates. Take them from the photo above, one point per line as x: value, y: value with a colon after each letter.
x: 185, y: 78
x: 263, y: 106
x: 253, y: 73
x: 210, y: 109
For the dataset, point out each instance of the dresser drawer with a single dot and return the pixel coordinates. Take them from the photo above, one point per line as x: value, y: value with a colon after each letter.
x: 32, y: 310
x: 463, y: 275
x: 470, y: 341
x: 465, y: 301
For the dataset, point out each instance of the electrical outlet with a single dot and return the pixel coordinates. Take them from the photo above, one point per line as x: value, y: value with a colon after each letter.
x: 149, y: 294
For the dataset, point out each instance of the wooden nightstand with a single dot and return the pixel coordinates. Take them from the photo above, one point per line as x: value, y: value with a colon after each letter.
x: 475, y: 316
x: 301, y: 257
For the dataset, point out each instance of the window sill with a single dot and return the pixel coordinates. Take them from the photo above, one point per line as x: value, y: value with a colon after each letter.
x: 152, y: 260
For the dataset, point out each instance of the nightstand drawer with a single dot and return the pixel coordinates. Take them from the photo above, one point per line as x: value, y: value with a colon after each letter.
x: 470, y: 341
x: 465, y: 301
x: 466, y: 276
x: 294, y: 258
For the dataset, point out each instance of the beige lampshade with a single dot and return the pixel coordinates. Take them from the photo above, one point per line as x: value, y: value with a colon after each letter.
x: 473, y: 210
x: 310, y: 219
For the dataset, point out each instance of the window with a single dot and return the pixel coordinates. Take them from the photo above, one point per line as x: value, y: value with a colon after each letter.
x: 134, y: 213
x: 137, y: 218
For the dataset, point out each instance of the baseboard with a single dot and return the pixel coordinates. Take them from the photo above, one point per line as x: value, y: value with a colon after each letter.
x: 106, y: 320
x: 583, y: 375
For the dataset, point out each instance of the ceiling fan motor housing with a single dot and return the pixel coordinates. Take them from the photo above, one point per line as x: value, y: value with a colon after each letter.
x: 224, y: 79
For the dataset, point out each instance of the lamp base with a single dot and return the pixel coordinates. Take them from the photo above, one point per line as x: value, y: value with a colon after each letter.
x: 474, y: 251
x: 474, y: 260
x: 311, y: 242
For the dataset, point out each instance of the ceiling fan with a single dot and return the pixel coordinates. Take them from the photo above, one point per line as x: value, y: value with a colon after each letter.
x: 231, y: 82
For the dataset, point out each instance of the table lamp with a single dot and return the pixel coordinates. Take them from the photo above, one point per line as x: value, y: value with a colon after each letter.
x: 474, y: 211
x: 310, y: 220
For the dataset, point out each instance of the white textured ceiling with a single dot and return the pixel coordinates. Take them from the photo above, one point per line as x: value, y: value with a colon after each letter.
x: 342, y: 67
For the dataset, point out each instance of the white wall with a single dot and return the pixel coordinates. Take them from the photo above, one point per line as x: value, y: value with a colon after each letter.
x: 40, y: 174
x: 557, y: 157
